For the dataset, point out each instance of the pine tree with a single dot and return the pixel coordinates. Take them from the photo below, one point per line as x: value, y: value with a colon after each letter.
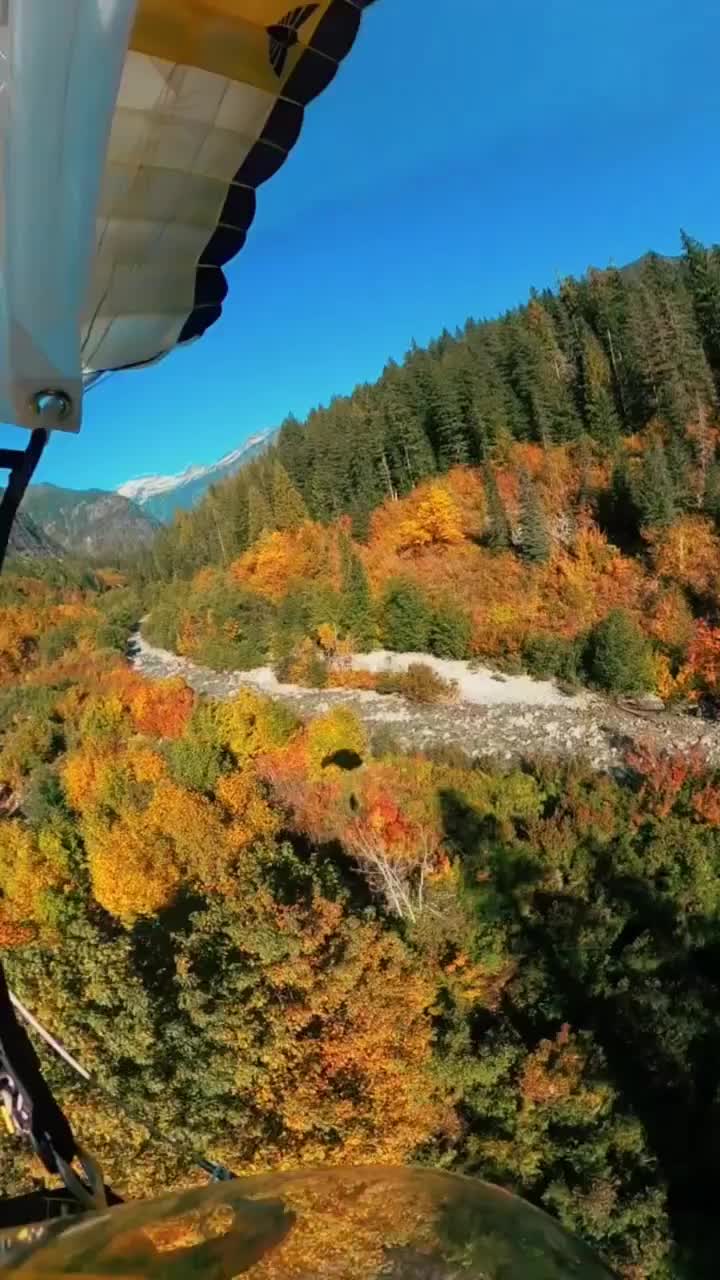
x: 703, y: 270
x: 673, y: 349
x: 619, y: 512
x: 498, y: 526
x: 372, y: 471
x: 596, y: 390
x: 711, y: 496
x: 331, y: 438
x: 292, y: 451
x: 409, y: 448
x: 450, y: 631
x: 605, y: 299
x: 679, y: 462
x: 655, y: 489
x: 535, y: 539
x: 405, y: 617
x: 619, y: 655
x: 357, y: 606
x: 288, y: 508
x: 447, y: 430
x: 554, y: 406
x: 259, y: 518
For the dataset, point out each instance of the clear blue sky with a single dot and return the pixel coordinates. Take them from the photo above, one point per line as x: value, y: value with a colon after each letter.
x: 466, y: 151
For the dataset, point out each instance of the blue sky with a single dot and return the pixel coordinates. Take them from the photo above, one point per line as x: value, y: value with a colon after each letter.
x: 466, y: 151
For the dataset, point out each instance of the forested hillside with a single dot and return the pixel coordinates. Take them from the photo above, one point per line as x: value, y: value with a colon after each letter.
x: 600, y: 360
x: 541, y: 491
x: 280, y: 945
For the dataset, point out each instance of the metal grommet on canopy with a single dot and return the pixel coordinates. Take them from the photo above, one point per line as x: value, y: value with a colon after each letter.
x: 51, y: 406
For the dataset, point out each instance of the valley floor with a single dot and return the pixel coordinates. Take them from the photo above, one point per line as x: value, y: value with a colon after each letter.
x: 503, y: 717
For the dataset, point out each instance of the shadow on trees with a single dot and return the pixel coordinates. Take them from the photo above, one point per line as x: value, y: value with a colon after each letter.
x: 668, y: 1075
x: 304, y: 865
x: 154, y: 945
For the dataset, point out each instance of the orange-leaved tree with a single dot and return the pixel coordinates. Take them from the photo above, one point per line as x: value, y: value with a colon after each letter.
x: 162, y: 707
x: 293, y: 557
x: 688, y: 552
x: 700, y: 674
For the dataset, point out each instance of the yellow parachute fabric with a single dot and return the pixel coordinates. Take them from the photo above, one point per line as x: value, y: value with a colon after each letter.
x: 230, y: 37
x: 211, y: 100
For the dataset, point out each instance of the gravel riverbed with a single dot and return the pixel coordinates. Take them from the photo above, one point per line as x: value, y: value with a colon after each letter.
x: 516, y: 717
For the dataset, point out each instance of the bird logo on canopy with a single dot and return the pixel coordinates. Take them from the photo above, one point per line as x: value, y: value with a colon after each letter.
x: 284, y: 34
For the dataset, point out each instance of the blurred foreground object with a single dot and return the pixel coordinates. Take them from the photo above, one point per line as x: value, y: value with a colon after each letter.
x: 348, y: 1224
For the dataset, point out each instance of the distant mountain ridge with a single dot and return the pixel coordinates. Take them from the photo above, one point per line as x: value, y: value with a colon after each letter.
x: 91, y: 522
x: 161, y: 496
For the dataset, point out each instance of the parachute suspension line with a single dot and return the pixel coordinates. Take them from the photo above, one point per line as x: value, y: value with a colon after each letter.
x: 21, y: 464
x: 218, y: 1172
x: 54, y: 1044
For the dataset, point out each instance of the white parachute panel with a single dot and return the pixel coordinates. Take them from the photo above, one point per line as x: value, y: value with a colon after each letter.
x: 60, y: 68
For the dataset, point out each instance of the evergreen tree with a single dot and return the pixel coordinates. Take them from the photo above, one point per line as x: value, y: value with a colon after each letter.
x: 446, y: 426
x: 618, y: 510
x: 673, y: 349
x: 703, y: 270
x: 620, y: 657
x: 405, y: 618
x: 372, y: 475
x: 596, y: 390
x: 498, y: 526
x: 655, y: 490
x: 554, y: 406
x: 331, y: 433
x: 679, y: 463
x: 605, y: 298
x: 357, y: 607
x: 711, y: 496
x: 292, y: 451
x: 408, y: 446
x: 288, y: 508
x: 260, y: 517
x: 535, y: 539
x: 584, y: 458
x: 450, y: 631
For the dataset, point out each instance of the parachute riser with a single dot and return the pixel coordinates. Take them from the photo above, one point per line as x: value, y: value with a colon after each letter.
x: 21, y: 464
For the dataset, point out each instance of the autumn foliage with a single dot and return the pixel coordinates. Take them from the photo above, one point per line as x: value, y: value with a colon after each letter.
x: 477, y: 595
x: 353, y: 942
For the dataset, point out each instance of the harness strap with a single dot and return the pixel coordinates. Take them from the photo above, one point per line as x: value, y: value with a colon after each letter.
x: 33, y: 1107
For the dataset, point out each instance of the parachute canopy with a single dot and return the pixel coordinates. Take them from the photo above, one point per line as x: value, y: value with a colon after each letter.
x: 135, y: 134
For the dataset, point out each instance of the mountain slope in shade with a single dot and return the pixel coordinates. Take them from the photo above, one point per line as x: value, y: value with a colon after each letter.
x: 162, y: 496
x: 30, y: 541
x: 90, y: 522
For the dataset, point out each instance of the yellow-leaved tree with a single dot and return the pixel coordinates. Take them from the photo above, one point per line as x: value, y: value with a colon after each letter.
x: 30, y: 864
x: 435, y: 522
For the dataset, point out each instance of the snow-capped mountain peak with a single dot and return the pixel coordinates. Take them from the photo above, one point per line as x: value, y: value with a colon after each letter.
x: 161, y: 496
